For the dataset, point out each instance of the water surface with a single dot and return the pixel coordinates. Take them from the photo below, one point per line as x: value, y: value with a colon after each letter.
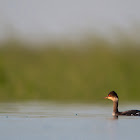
x: 53, y: 121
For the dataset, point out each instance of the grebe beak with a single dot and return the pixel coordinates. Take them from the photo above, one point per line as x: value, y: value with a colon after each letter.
x: 106, y: 97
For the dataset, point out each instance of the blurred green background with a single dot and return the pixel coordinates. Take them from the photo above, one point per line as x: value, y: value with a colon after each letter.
x: 70, y: 71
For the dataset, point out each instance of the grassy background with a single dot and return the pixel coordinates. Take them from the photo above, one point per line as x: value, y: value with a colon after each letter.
x: 64, y: 71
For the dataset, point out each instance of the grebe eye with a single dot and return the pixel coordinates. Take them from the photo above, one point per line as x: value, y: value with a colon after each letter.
x: 109, y: 95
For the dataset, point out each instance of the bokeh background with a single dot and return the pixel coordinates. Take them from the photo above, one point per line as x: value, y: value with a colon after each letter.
x: 69, y: 50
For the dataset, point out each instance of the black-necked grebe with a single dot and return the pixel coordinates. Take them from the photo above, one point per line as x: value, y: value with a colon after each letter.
x: 114, y: 97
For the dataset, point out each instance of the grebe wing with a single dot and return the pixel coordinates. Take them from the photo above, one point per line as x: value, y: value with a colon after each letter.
x: 131, y: 113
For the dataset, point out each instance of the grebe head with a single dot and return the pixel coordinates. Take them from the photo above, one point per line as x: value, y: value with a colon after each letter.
x: 112, y: 96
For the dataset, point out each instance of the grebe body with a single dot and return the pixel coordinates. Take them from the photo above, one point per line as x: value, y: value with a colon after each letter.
x: 114, y: 97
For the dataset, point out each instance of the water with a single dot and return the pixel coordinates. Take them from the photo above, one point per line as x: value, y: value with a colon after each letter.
x: 51, y: 121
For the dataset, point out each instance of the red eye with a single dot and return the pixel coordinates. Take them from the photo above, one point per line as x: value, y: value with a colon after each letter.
x: 109, y: 95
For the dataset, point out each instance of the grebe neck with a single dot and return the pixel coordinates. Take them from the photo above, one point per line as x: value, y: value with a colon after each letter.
x: 115, y: 107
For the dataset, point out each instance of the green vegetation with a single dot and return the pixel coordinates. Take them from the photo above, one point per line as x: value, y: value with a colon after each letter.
x: 70, y: 71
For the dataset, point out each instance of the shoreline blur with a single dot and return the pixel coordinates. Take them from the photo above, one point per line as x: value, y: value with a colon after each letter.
x: 84, y: 71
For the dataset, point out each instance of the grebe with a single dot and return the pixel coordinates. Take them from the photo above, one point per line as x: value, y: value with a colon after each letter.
x: 114, y: 97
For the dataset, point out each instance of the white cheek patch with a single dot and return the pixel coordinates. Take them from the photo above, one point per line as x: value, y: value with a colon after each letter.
x: 109, y: 98
x: 113, y: 99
